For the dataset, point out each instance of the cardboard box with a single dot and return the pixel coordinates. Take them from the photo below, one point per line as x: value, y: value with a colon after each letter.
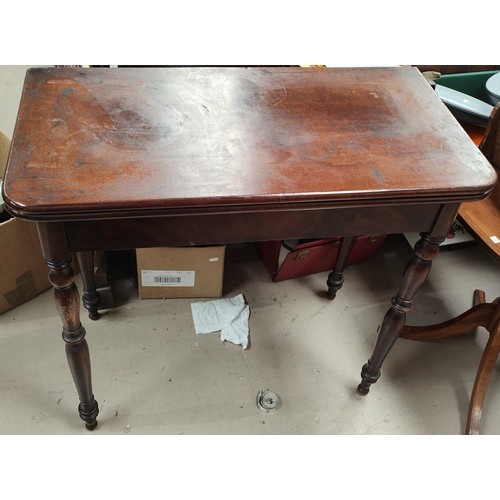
x: 286, y: 260
x: 23, y: 272
x: 180, y: 272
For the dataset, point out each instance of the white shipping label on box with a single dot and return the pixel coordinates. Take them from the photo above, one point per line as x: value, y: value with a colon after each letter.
x: 167, y: 278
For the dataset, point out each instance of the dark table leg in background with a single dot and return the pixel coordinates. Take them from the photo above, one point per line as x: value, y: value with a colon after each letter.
x: 61, y: 275
x: 336, y: 277
x: 91, y: 299
x: 416, y: 272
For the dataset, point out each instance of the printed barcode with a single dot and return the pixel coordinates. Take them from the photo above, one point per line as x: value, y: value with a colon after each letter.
x: 163, y: 277
x: 167, y: 279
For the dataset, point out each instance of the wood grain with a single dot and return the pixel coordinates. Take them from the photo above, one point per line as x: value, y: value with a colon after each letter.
x: 93, y: 140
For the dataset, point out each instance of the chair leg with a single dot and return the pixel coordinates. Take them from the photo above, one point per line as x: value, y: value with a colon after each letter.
x: 479, y: 315
x: 479, y: 297
x: 482, y: 314
x: 483, y: 375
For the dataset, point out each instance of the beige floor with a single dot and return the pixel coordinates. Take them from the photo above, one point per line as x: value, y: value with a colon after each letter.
x: 153, y: 375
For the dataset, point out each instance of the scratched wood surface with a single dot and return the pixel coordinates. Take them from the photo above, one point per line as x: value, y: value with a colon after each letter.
x: 91, y: 140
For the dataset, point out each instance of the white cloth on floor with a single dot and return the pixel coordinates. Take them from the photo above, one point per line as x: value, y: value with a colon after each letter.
x: 230, y: 316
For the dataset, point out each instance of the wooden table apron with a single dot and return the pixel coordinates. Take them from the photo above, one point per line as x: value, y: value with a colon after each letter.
x: 314, y: 123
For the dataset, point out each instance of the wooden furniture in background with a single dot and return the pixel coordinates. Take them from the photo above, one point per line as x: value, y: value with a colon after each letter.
x: 482, y: 220
x: 106, y: 159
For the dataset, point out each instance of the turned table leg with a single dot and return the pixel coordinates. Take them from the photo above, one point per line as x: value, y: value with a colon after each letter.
x: 336, y: 277
x: 61, y: 275
x: 91, y: 299
x: 416, y: 272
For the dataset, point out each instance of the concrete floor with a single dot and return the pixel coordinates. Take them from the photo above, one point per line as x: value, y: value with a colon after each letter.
x: 153, y: 375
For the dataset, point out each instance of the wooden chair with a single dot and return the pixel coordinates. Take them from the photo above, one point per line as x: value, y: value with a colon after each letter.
x: 482, y: 220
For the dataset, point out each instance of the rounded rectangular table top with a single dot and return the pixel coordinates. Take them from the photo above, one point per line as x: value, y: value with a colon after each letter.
x: 96, y: 140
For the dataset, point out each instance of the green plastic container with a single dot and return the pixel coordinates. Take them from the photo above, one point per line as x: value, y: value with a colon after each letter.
x: 472, y: 84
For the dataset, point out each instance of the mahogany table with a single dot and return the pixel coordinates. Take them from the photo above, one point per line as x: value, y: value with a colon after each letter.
x: 106, y: 159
